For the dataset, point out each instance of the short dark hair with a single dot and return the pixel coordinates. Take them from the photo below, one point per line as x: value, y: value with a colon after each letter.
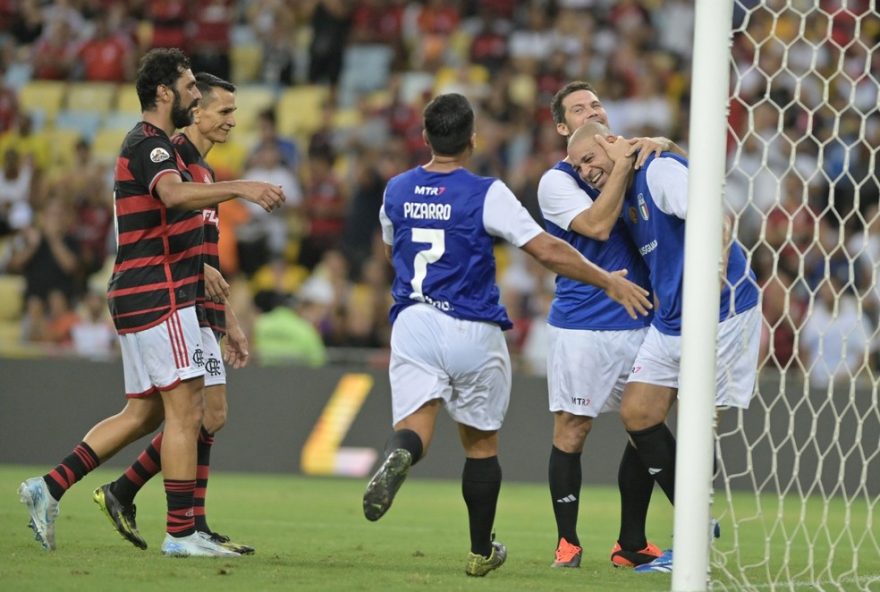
x: 449, y: 124
x: 162, y: 65
x: 207, y: 82
x: 556, y: 108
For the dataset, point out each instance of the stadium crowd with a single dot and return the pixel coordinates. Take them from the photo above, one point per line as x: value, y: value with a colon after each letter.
x: 330, y: 99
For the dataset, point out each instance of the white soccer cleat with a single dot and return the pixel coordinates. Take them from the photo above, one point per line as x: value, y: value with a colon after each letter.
x: 198, y: 544
x: 43, y: 509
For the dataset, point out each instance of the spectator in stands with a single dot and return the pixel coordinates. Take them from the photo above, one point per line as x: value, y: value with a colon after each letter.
x: 93, y: 335
x: 331, y: 23
x: 835, y: 337
x: 210, y: 39
x: 108, y: 56
x: 267, y: 127
x: 47, y: 255
x: 287, y: 333
x: 8, y: 103
x: 31, y: 146
x: 55, y: 53
x: 62, y: 319
x: 325, y: 203
x: 15, y: 193
x: 28, y: 23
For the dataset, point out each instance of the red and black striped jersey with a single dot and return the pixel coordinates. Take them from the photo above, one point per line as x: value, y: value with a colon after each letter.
x: 210, y: 313
x: 159, y: 249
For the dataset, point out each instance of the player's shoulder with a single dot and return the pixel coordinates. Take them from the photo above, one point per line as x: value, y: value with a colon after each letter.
x: 560, y: 175
x: 144, y: 136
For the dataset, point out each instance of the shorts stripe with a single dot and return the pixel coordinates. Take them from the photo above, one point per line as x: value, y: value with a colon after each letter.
x: 172, y: 338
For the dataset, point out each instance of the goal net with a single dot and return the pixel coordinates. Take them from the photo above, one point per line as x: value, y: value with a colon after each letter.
x: 799, y: 472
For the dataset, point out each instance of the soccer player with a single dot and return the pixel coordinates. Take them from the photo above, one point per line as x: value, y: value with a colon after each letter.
x: 152, y: 296
x: 655, y: 211
x: 213, y: 119
x: 592, y: 342
x: 447, y: 349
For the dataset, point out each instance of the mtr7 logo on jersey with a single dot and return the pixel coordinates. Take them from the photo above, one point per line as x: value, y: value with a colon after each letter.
x: 426, y: 190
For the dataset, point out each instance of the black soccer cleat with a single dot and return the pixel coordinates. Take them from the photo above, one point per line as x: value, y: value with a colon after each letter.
x: 384, y: 485
x: 122, y: 517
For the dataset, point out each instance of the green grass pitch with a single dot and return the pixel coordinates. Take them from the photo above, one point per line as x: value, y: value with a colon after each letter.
x: 310, y: 534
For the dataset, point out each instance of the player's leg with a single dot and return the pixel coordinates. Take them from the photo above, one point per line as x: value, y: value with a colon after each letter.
x: 216, y: 411
x: 643, y: 411
x: 406, y: 446
x: 42, y: 494
x: 564, y: 476
x: 636, y: 486
x: 419, y: 382
x: 480, y: 486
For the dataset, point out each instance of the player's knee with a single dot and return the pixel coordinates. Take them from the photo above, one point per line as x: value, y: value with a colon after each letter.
x: 570, y: 432
x: 214, y: 419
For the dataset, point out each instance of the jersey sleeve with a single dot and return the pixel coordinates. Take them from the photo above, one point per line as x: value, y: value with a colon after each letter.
x: 561, y: 198
x: 667, y: 181
x: 387, y: 227
x: 153, y: 157
x: 505, y: 217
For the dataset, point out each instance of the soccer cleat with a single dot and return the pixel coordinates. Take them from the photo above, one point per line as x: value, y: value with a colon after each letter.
x: 478, y: 565
x: 198, y: 544
x: 226, y: 543
x: 384, y: 485
x: 623, y: 558
x: 662, y: 564
x: 567, y: 555
x: 122, y: 517
x: 43, y: 510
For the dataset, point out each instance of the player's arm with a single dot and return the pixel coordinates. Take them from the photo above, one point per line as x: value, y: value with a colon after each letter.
x: 642, y: 148
x: 598, y: 220
x: 726, y: 232
x: 560, y: 257
x: 175, y: 193
x: 387, y: 231
x: 216, y: 286
x: 235, y: 352
x: 505, y: 217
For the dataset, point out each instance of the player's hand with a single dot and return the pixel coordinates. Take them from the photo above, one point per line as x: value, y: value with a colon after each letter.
x: 216, y: 287
x: 642, y: 148
x: 267, y: 196
x: 236, y: 353
x: 633, y: 297
x: 617, y: 148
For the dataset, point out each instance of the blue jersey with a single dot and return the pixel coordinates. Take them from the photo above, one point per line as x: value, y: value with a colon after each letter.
x: 581, y: 306
x: 656, y: 223
x: 442, y: 251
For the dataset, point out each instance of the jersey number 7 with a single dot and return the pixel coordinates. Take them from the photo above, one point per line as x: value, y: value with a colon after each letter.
x: 437, y: 239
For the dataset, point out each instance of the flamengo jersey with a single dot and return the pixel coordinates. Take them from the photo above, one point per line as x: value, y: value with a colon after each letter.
x: 210, y: 313
x: 159, y: 254
x: 577, y: 305
x: 440, y: 227
x: 655, y: 208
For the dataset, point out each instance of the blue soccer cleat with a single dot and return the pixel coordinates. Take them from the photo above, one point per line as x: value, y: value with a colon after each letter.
x: 43, y: 509
x: 662, y: 564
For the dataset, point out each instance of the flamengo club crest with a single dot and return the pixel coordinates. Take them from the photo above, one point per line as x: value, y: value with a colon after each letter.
x: 643, y: 207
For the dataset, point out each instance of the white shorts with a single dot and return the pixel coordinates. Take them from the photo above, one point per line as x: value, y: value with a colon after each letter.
x: 587, y: 370
x: 215, y: 371
x: 739, y: 337
x: 465, y: 363
x: 160, y: 357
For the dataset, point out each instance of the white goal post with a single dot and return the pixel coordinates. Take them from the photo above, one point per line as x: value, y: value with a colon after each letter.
x: 785, y: 118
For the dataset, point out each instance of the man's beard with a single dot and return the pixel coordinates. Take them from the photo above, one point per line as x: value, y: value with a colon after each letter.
x: 180, y: 116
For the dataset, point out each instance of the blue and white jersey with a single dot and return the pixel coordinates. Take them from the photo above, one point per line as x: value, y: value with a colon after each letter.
x: 563, y: 195
x: 440, y: 227
x: 655, y: 209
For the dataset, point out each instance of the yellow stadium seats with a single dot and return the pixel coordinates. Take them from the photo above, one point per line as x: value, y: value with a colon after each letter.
x: 247, y: 61
x: 11, y: 290
x: 107, y: 143
x: 127, y: 100
x: 46, y: 96
x: 250, y: 100
x: 347, y: 118
x: 63, y: 143
x: 96, y: 97
x: 299, y: 109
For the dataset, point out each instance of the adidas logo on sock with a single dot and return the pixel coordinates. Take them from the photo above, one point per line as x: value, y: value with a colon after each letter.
x: 654, y: 470
x: 567, y: 499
